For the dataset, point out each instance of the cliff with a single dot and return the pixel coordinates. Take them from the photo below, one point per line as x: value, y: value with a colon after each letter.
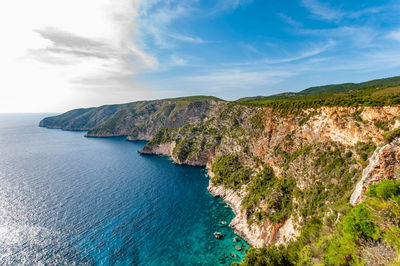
x: 316, y: 155
x: 137, y: 120
x: 291, y: 169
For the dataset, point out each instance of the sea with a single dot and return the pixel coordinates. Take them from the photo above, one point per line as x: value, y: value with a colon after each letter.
x: 70, y: 200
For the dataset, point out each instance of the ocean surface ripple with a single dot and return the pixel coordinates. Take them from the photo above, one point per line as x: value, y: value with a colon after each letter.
x: 67, y: 199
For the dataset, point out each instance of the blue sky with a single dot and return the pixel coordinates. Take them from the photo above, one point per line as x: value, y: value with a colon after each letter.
x: 241, y: 48
x: 64, y: 54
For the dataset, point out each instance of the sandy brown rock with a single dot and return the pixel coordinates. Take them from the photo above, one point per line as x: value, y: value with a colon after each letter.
x: 382, y: 165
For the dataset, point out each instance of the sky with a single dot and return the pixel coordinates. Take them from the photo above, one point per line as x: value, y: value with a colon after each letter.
x: 57, y: 55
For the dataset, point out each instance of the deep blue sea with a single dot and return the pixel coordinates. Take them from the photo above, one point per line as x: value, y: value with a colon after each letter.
x: 67, y: 199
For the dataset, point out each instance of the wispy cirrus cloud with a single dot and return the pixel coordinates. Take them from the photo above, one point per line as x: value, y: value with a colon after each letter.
x: 359, y: 36
x: 315, y: 49
x: 189, y: 39
x: 289, y: 20
x: 323, y: 10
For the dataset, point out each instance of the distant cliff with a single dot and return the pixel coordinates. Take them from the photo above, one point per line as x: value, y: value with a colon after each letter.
x: 137, y: 120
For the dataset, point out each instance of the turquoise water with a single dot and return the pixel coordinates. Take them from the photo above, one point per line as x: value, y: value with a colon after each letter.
x: 67, y: 199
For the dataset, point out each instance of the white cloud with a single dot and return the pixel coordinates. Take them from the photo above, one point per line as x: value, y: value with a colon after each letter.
x: 289, y: 20
x: 59, y: 54
x: 178, y: 61
x: 394, y: 35
x: 323, y: 10
x: 354, y: 36
x: 185, y: 38
x: 315, y: 49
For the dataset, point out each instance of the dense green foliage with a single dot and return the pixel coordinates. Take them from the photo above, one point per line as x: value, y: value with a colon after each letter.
x: 354, y: 98
x: 229, y: 171
x: 329, y: 89
x: 276, y: 191
x: 367, y: 234
x: 385, y: 82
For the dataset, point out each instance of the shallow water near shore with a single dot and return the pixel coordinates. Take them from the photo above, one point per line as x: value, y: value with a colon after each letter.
x: 68, y: 199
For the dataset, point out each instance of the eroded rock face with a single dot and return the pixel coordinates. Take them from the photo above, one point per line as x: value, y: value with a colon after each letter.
x: 257, y: 235
x: 164, y: 149
x: 196, y: 132
x: 346, y: 126
x: 382, y: 165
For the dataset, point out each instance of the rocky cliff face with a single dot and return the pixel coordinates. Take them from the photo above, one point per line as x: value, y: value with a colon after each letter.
x: 381, y: 166
x: 321, y: 151
x: 276, y: 170
x: 174, y: 115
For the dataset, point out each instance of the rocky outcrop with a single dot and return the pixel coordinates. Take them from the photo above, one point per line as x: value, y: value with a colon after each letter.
x: 257, y: 235
x: 164, y: 149
x: 381, y: 165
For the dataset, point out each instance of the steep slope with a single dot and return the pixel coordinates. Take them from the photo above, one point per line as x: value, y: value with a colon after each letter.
x: 282, y: 172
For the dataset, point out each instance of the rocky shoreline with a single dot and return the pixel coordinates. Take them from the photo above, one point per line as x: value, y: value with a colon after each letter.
x: 257, y: 234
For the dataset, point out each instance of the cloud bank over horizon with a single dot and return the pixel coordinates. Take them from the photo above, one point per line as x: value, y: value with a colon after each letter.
x: 64, y: 54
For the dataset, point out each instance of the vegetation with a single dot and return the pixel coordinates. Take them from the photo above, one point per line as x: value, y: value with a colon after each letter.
x: 229, y: 171
x: 383, y: 84
x: 276, y: 192
x: 367, y: 234
x: 392, y: 135
x: 350, y: 99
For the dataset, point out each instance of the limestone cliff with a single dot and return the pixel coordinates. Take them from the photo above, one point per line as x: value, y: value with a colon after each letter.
x: 323, y: 151
x: 276, y: 170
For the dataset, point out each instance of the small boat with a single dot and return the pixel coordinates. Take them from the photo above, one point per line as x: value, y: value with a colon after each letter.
x: 223, y: 222
x: 233, y: 255
x: 236, y: 239
x: 238, y: 248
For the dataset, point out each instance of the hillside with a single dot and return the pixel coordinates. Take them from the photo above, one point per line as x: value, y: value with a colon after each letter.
x: 330, y: 90
x: 138, y: 120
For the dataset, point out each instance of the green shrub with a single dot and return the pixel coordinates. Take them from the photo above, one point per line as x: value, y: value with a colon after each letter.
x: 268, y: 256
x: 358, y: 223
x: 277, y: 193
x: 229, y: 171
x: 390, y: 136
x: 341, y: 251
x: 382, y: 125
x: 385, y: 189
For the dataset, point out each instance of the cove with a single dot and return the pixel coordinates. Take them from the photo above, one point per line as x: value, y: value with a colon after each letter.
x: 69, y: 199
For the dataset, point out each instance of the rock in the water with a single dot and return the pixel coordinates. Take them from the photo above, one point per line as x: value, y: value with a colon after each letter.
x: 218, y: 235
